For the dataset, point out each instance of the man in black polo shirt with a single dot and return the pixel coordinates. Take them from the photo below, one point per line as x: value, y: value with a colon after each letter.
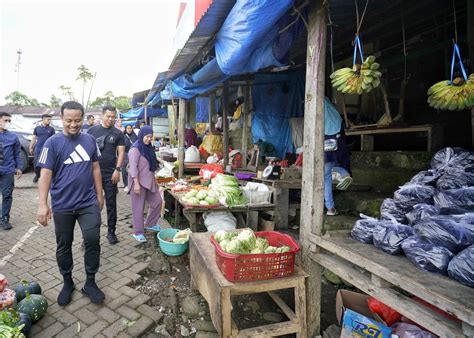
x: 111, y: 143
x: 41, y: 133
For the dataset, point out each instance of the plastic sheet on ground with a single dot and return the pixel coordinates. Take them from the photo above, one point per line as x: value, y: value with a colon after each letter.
x: 461, y: 267
x: 445, y: 232
x: 421, y: 211
x: 426, y: 256
x: 390, y: 238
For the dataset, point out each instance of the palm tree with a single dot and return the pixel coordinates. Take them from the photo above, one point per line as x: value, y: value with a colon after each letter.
x: 67, y: 92
x: 85, y: 75
x: 109, y: 97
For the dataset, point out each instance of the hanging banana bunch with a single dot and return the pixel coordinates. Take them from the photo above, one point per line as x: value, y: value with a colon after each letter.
x: 457, y: 95
x: 361, y: 78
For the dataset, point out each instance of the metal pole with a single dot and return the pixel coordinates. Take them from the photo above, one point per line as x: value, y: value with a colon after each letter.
x: 17, y: 70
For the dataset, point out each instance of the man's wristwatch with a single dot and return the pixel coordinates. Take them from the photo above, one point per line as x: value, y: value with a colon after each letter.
x: 118, y: 169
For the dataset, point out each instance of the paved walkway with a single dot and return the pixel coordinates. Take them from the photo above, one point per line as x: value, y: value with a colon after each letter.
x: 28, y: 252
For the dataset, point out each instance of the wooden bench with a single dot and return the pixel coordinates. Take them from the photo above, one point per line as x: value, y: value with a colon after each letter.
x: 389, y: 278
x: 434, y: 135
x: 209, y: 281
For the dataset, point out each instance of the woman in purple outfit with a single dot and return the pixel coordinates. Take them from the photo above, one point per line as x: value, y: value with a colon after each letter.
x: 141, y: 183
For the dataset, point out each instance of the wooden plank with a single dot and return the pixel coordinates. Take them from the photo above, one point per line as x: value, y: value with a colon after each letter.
x: 226, y: 312
x: 245, y: 127
x: 225, y: 122
x: 270, y: 330
x: 205, y: 283
x: 300, y: 307
x: 366, y: 142
x: 243, y: 288
x: 181, y: 127
x: 288, y: 184
x: 312, y: 206
x: 283, y: 306
x: 420, y: 314
x: 281, y: 198
x: 212, y: 110
x: 438, y: 290
x: 414, y: 129
x: 252, y: 220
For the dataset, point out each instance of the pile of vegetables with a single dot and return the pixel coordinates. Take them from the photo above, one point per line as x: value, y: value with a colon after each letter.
x: 15, y: 321
x: 246, y: 242
x: 182, y: 236
x: 227, y: 189
x: 200, y: 197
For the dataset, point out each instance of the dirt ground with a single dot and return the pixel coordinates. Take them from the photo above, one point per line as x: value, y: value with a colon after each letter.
x: 185, y: 312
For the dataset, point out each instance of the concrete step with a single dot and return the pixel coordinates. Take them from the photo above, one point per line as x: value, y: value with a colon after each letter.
x: 382, y: 180
x: 392, y: 160
x: 339, y: 222
x: 354, y: 203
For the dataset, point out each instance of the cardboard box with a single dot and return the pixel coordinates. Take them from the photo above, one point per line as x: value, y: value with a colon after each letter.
x: 354, y: 315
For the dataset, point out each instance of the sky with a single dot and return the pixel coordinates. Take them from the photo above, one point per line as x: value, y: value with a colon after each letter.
x: 126, y: 42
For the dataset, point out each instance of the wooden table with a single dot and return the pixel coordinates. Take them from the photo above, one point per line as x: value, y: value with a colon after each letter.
x: 281, y: 198
x: 209, y: 281
x: 434, y: 135
x: 191, y: 213
x: 383, y: 276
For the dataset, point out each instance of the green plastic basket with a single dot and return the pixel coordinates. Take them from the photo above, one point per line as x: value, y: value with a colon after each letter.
x: 169, y: 248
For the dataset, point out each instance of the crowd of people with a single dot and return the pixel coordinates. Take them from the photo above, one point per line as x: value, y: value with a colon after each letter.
x: 80, y: 169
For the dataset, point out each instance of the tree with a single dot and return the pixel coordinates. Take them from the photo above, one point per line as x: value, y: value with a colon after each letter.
x: 19, y: 99
x: 123, y: 103
x: 55, y: 101
x: 85, y: 75
x: 67, y: 92
x: 109, y: 97
x: 120, y: 102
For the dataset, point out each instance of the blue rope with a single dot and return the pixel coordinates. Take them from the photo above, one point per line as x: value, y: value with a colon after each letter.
x: 453, y: 61
x: 357, y: 45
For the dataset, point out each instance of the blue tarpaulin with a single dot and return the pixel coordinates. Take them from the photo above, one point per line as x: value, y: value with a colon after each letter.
x: 277, y: 98
x: 139, y: 112
x: 202, y: 109
x: 255, y: 35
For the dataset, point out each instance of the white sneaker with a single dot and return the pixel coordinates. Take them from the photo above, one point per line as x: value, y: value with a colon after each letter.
x: 125, y: 189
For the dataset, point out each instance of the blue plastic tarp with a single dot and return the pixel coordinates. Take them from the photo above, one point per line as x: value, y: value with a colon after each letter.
x: 276, y: 99
x: 202, y: 109
x: 139, y: 112
x: 244, y: 42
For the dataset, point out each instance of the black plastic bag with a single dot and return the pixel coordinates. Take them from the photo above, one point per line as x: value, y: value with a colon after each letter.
x: 455, y: 201
x: 391, y: 209
x: 455, y: 179
x: 445, y: 232
x: 421, y: 211
x: 390, y: 238
x: 363, y: 230
x: 466, y: 218
x: 451, y: 158
x: 461, y: 267
x: 426, y: 177
x: 411, y: 194
x: 426, y: 256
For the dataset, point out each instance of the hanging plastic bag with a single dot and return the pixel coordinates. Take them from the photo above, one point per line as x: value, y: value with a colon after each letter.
x: 445, y: 232
x: 390, y: 238
x: 363, y: 230
x: 455, y: 201
x: 411, y: 194
x: 385, y: 312
x: 421, y: 211
x: 426, y: 256
x: 405, y: 330
x: 426, y: 177
x: 393, y: 209
x: 461, y: 267
x: 451, y: 158
x: 455, y: 179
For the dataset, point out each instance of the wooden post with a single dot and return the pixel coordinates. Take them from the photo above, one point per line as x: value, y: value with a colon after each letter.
x: 245, y: 127
x: 212, y: 110
x: 145, y: 114
x: 312, y: 199
x: 181, y: 123
x: 225, y: 122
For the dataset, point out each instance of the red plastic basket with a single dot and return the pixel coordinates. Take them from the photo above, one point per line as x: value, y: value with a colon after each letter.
x: 252, y: 267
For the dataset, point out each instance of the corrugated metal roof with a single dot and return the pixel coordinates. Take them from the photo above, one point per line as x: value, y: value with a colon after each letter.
x: 206, y: 29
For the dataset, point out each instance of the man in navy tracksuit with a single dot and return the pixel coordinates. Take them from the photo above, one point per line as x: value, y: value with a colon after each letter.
x: 10, y: 164
x: 41, y: 133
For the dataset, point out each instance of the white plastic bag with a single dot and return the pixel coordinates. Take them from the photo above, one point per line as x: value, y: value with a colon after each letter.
x: 220, y: 220
x: 192, y: 155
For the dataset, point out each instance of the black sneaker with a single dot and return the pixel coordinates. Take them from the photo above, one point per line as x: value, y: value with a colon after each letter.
x: 91, y: 290
x: 112, y: 238
x: 5, y: 224
x: 35, y: 179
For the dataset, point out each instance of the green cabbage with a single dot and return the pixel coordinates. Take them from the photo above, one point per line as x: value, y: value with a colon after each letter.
x: 191, y: 194
x: 203, y: 202
x: 211, y: 200
x: 202, y: 194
